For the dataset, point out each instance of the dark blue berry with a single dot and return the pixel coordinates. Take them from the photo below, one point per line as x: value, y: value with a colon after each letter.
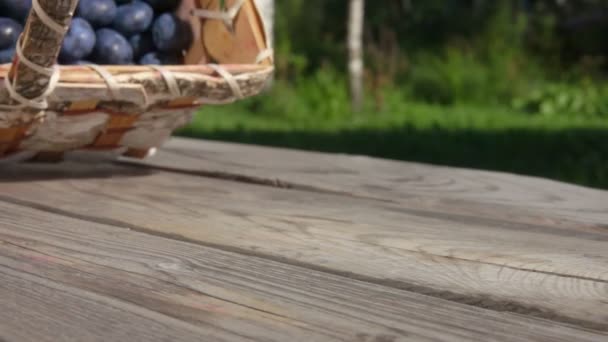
x: 82, y: 62
x: 6, y: 56
x: 78, y: 42
x: 142, y: 44
x: 159, y: 58
x: 98, y: 13
x: 133, y: 18
x: 112, y: 48
x: 9, y: 33
x: 16, y: 9
x: 171, y: 34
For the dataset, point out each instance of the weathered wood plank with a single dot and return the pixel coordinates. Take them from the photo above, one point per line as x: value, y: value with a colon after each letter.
x: 416, y: 186
x: 36, y: 309
x: 533, y: 270
x: 223, y: 295
x: 213, y: 318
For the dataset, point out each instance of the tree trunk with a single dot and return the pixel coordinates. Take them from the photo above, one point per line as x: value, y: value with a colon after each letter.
x: 267, y: 11
x: 355, y: 51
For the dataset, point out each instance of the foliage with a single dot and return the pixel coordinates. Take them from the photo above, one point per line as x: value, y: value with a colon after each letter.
x: 566, y: 147
x: 586, y: 99
x: 515, y: 86
x: 441, y: 51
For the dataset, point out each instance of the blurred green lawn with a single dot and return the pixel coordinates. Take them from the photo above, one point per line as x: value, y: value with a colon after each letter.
x: 567, y: 148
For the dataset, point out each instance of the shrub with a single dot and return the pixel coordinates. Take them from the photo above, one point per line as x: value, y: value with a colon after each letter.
x: 584, y: 99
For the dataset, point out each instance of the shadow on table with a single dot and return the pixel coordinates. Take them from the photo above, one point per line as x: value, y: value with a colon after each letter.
x: 67, y: 170
x: 573, y: 155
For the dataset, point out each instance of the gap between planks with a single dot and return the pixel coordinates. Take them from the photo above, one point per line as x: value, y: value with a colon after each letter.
x: 242, y: 178
x: 346, y: 304
x: 480, y: 301
x: 483, y: 193
x: 352, y: 275
x: 226, y: 176
x: 286, y: 185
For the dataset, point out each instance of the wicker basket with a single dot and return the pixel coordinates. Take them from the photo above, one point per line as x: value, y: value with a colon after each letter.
x: 49, y: 112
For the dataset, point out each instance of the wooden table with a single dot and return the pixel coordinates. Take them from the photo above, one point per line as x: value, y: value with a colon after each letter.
x: 223, y: 242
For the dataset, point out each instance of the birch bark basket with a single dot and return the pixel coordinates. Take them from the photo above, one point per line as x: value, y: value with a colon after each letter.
x: 41, y: 45
x: 127, y: 109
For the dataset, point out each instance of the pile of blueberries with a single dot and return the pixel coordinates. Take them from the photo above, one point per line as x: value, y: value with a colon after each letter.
x: 121, y: 32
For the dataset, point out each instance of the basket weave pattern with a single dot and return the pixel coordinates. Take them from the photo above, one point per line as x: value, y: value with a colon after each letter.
x: 48, y: 112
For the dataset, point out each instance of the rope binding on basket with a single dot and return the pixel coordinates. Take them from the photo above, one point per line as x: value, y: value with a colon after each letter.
x: 169, y: 80
x: 228, y: 16
x: 40, y: 102
x: 232, y: 83
x: 113, y: 86
x: 53, y: 72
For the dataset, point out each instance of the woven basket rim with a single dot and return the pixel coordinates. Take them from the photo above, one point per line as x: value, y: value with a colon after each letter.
x: 34, y: 87
x: 48, y: 109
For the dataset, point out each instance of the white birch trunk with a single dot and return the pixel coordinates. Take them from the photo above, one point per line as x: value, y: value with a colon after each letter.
x: 355, y: 51
x: 267, y: 11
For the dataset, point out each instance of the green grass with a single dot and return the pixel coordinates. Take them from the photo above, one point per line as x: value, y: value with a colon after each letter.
x: 567, y: 148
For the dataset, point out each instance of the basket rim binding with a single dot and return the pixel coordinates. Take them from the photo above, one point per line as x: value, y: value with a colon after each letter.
x: 54, y: 73
x: 144, y: 87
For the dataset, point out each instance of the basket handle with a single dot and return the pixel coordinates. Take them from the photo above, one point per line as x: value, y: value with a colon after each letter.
x: 40, y: 44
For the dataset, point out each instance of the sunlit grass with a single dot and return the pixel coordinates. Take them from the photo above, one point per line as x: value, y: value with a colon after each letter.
x: 564, y: 147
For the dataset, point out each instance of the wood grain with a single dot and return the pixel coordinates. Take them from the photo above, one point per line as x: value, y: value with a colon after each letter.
x: 69, y: 279
x: 240, y: 43
x: 532, y: 270
x: 36, y: 309
x: 491, y: 195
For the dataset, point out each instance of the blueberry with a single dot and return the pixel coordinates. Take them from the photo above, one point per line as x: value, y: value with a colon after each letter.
x: 159, y: 58
x: 98, y: 13
x: 78, y: 42
x: 6, y: 55
x: 151, y: 58
x: 163, y: 5
x: 171, y: 34
x: 133, y: 18
x: 82, y: 62
x: 112, y: 48
x: 142, y: 44
x: 16, y: 9
x: 9, y: 33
